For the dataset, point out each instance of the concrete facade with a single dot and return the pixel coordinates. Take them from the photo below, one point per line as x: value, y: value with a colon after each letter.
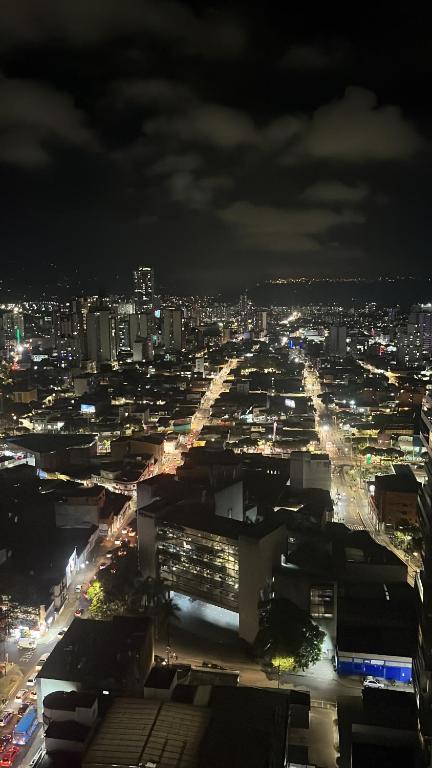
x: 310, y: 470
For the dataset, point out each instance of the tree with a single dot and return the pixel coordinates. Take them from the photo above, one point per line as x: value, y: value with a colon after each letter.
x: 100, y: 607
x: 153, y: 590
x: 164, y: 613
x: 95, y: 594
x: 290, y: 639
x: 283, y: 663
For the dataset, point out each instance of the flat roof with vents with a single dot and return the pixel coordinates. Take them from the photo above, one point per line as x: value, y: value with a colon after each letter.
x: 146, y: 732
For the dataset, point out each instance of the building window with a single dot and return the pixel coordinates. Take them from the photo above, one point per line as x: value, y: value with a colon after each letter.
x: 322, y: 601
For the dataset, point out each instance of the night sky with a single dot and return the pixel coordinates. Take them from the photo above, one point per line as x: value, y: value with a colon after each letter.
x: 222, y: 143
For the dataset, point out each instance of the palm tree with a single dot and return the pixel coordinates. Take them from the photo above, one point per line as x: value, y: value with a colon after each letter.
x: 153, y: 589
x: 166, y: 612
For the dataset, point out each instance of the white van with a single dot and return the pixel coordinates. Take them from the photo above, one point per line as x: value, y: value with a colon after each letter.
x: 27, y: 642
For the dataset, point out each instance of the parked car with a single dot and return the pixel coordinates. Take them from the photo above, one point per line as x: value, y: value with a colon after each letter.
x: 62, y: 632
x: 78, y: 588
x: 373, y: 682
x: 161, y: 660
x: 5, y: 741
x: 212, y: 665
x: 6, y: 717
x: 33, y: 695
x: 8, y: 758
x: 27, y: 642
x: 31, y: 681
x: 41, y: 662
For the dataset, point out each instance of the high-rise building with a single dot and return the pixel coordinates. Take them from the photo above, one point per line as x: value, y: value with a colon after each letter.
x: 422, y: 666
x: 245, y: 309
x: 218, y: 560
x: 414, y: 340
x: 133, y: 327
x: 172, y: 328
x: 337, y: 341
x: 102, y: 335
x: 260, y: 322
x: 140, y: 326
x: 143, y: 284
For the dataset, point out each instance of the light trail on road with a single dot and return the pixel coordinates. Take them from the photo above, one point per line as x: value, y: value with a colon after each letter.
x: 352, y: 505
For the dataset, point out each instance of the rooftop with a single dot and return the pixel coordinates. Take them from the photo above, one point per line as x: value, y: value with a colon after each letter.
x: 69, y: 701
x: 198, y: 516
x: 48, y: 443
x: 140, y: 732
x: 154, y: 438
x: 384, y: 641
x: 248, y: 727
x: 95, y: 649
x: 161, y: 677
x: 402, y: 482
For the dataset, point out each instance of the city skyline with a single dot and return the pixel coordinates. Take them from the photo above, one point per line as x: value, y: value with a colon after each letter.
x: 210, y: 139
x: 201, y: 495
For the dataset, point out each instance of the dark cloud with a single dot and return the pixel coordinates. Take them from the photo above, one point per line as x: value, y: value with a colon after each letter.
x: 196, y: 192
x: 157, y: 93
x: 314, y: 58
x: 207, y: 124
x: 226, y: 128
x: 209, y: 150
x: 282, y: 130
x: 335, y: 192
x: 92, y: 21
x: 351, y: 129
x: 268, y: 228
x: 169, y: 164
x: 356, y: 128
x: 33, y: 117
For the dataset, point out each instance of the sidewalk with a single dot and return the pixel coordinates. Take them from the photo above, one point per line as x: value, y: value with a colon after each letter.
x: 11, y: 681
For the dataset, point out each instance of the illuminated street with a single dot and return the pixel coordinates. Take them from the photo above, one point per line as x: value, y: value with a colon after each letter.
x: 350, y: 497
x: 174, y: 459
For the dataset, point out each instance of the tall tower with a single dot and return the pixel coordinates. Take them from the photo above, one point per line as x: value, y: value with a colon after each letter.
x: 172, y: 328
x: 422, y: 666
x: 245, y: 306
x: 338, y: 341
x: 102, y: 336
x: 143, y: 283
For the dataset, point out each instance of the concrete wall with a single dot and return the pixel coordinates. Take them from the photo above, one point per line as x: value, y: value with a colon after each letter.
x: 257, y: 558
x: 46, y: 685
x: 64, y: 745
x: 368, y: 572
x: 396, y: 507
x: 122, y: 448
x: 229, y: 501
x: 76, y: 515
x: 308, y: 472
x: 146, y: 530
x: 83, y: 715
x: 146, y: 494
